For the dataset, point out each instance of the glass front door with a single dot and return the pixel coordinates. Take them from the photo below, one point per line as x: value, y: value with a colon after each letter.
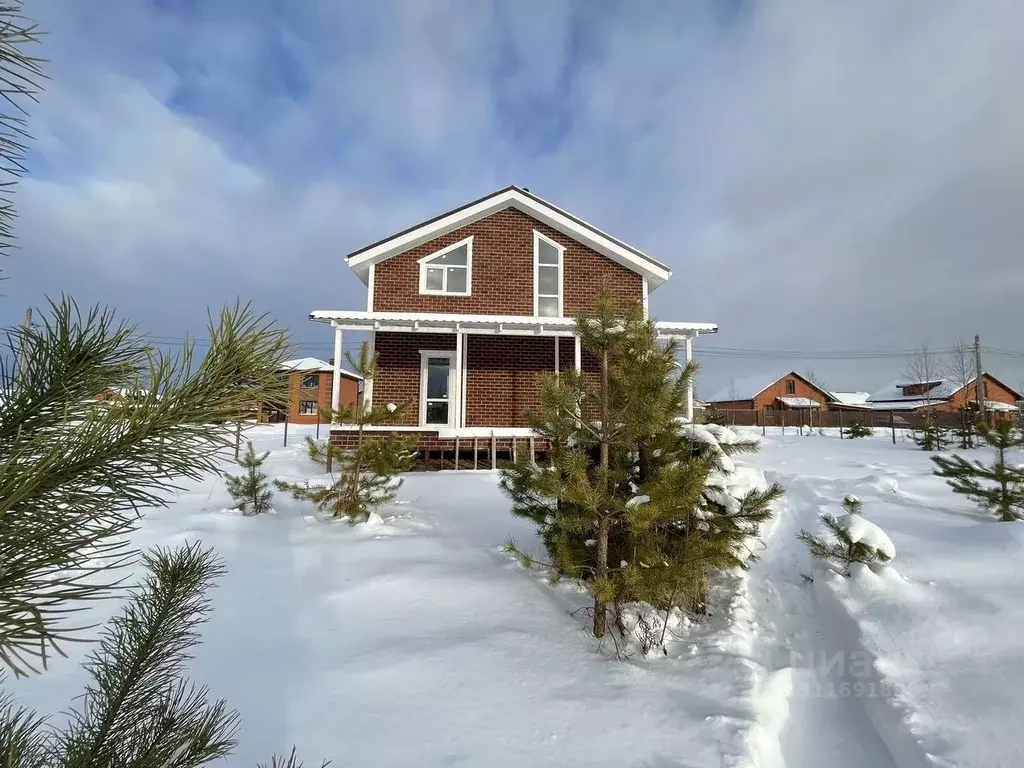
x: 437, y: 388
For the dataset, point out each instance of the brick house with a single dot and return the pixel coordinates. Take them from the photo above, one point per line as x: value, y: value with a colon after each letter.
x: 789, y: 391
x: 945, y: 396
x: 310, y: 384
x: 466, y: 311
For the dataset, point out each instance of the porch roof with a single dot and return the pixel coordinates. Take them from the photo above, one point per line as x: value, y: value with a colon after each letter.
x: 509, y: 325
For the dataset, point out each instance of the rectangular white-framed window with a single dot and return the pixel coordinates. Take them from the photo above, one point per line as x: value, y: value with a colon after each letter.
x: 547, y: 276
x: 311, y: 381
x: 437, y: 388
x: 448, y: 272
x: 307, y: 407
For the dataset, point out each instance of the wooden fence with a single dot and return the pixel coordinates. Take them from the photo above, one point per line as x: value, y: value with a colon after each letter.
x: 833, y: 419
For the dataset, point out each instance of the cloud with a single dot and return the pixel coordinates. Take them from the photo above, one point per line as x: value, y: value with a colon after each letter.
x: 819, y: 176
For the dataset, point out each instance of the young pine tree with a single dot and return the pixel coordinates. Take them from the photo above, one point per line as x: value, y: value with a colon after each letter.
x: 365, y: 477
x: 856, y: 429
x: 251, y: 491
x: 622, y: 507
x: 843, y: 549
x: 998, y: 487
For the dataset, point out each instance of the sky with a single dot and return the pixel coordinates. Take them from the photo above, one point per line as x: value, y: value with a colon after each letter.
x: 821, y: 177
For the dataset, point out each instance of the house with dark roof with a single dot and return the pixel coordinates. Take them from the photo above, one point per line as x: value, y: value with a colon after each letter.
x: 466, y: 312
x: 943, y: 394
x: 787, y: 391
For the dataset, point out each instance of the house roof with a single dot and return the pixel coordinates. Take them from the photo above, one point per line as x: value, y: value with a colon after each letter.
x: 521, y: 199
x: 750, y: 387
x: 943, y: 390
x: 314, y: 364
x: 798, y: 402
x: 852, y: 399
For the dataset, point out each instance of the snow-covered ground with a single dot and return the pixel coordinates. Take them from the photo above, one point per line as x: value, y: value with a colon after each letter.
x: 945, y: 621
x: 414, y: 641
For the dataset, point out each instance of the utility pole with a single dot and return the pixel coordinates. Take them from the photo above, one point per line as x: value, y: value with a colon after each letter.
x: 979, y: 381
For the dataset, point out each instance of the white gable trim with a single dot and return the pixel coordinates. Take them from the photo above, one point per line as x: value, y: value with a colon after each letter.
x: 654, y: 271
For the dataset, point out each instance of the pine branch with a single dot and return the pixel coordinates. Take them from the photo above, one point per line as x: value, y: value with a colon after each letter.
x: 138, y: 710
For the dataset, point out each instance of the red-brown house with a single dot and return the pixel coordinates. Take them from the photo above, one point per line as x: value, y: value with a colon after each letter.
x: 943, y: 394
x: 467, y: 310
x: 790, y: 391
x: 310, y: 384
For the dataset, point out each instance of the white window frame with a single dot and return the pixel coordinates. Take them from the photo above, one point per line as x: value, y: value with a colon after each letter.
x: 537, y: 237
x: 425, y: 262
x: 316, y: 407
x: 453, y: 404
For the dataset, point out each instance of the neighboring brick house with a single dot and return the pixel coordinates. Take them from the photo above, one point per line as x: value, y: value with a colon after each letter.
x: 944, y: 395
x: 790, y: 391
x: 310, y: 384
x: 466, y: 311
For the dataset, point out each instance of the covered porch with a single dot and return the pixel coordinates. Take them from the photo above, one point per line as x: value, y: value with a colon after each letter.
x: 471, y: 376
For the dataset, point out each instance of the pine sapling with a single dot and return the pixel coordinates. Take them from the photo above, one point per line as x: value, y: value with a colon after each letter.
x: 366, y: 476
x: 251, y: 491
x: 856, y: 429
x: 843, y: 548
x: 998, y: 487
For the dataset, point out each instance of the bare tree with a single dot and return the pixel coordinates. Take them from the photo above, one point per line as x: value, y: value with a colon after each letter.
x: 924, y: 370
x: 960, y: 370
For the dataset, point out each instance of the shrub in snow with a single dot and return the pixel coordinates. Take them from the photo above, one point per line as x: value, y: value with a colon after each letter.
x: 251, y: 491
x: 367, y: 476
x: 858, y: 430
x: 998, y: 487
x: 932, y: 436
x: 317, y: 451
x: 853, y: 539
x: 633, y: 503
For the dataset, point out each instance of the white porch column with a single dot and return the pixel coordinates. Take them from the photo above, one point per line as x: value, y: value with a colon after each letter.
x: 368, y: 383
x: 459, y: 373
x: 558, y: 358
x: 336, y: 381
x: 689, y: 387
x: 579, y: 354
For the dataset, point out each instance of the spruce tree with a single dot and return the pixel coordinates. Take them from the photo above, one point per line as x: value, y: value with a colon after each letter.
x: 367, y: 476
x: 251, y: 491
x: 842, y: 549
x: 998, y: 487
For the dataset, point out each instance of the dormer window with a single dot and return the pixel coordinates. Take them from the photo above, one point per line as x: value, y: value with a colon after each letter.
x: 547, y: 276
x: 448, y: 272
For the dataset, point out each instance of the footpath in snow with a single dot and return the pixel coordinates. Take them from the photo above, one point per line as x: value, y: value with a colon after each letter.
x: 921, y: 666
x: 415, y: 642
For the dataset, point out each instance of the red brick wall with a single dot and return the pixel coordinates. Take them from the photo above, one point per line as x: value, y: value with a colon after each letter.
x: 503, y: 377
x: 993, y: 391
x: 767, y: 398
x: 398, y: 363
x: 502, y: 281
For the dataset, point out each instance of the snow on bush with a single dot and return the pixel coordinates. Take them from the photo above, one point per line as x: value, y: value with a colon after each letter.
x: 854, y: 543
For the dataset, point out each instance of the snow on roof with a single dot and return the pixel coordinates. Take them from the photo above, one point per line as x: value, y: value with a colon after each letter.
x: 995, y: 405
x: 799, y: 402
x: 746, y: 388
x: 943, y: 390
x: 313, y: 364
x: 850, y: 398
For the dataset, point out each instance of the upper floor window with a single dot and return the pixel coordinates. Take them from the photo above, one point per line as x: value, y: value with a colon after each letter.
x: 311, y: 381
x: 448, y: 272
x: 790, y: 387
x: 547, y: 276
